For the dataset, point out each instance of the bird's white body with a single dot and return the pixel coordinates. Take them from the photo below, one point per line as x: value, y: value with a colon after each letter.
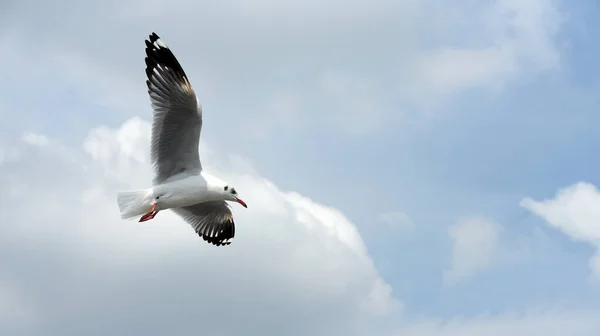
x: 177, y: 192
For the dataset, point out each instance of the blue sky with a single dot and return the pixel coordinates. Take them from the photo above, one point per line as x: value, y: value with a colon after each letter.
x: 458, y: 122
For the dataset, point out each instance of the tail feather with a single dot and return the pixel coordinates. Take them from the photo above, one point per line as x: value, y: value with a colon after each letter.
x: 133, y: 203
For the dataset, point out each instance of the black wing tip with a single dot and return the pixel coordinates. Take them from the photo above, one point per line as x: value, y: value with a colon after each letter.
x: 153, y: 37
x: 158, y: 53
x: 151, y: 42
x: 216, y: 241
x: 223, y: 237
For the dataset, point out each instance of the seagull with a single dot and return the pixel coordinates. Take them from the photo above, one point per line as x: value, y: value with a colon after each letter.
x: 180, y: 184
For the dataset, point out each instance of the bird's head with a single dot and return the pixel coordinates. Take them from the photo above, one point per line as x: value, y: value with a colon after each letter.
x: 231, y: 194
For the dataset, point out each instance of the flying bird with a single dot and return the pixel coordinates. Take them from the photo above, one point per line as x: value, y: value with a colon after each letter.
x: 180, y: 184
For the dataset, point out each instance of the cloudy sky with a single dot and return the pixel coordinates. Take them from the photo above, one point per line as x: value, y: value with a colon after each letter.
x: 417, y: 168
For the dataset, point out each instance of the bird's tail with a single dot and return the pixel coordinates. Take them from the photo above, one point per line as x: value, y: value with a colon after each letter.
x: 134, y: 203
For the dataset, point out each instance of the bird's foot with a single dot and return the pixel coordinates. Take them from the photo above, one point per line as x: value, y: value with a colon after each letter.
x: 150, y: 214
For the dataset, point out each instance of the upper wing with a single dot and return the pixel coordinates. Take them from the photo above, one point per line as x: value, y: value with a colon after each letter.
x: 177, y: 114
x: 212, y: 221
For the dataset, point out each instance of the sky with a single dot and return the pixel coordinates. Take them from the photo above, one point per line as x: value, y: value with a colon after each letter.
x: 413, y: 168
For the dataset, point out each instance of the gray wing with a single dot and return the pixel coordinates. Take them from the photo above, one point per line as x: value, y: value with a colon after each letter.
x: 213, y: 221
x: 177, y: 119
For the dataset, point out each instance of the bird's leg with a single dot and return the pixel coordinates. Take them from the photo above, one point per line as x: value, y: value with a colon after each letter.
x: 150, y: 214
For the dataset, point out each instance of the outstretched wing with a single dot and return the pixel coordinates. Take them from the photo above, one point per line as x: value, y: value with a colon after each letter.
x: 177, y: 119
x: 211, y: 220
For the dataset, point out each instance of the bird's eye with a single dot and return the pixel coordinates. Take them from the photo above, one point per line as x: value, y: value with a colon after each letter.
x: 226, y: 187
x: 233, y: 191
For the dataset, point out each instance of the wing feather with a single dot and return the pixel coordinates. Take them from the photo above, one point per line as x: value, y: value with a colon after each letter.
x: 213, y: 221
x: 177, y: 118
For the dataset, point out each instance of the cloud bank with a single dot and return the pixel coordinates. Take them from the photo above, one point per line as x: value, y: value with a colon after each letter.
x: 296, y: 266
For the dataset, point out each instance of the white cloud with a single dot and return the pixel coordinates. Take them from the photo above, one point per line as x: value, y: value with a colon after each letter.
x: 35, y: 139
x: 293, y: 261
x: 474, y: 246
x: 575, y: 211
